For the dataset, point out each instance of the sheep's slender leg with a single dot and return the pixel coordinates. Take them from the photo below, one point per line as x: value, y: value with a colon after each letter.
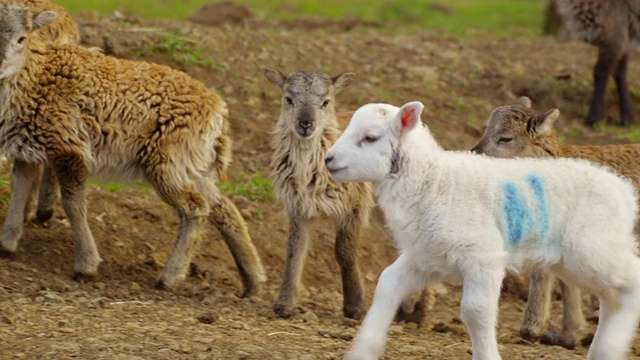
x: 32, y: 202
x: 49, y: 190
x: 627, y: 111
x: 192, y: 207
x: 616, y: 327
x: 233, y: 228
x: 22, y: 181
x: 607, y: 60
x: 479, y: 311
x: 398, y: 281
x: 73, y: 175
x: 538, y: 303
x: 297, y: 246
x: 573, y: 322
x: 346, y: 253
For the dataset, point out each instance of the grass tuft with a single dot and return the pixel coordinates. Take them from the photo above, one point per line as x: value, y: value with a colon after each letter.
x: 254, y: 187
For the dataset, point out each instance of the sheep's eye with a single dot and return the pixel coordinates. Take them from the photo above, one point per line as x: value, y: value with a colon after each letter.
x: 325, y: 103
x: 504, y: 140
x: 289, y: 101
x: 21, y: 39
x: 370, y: 139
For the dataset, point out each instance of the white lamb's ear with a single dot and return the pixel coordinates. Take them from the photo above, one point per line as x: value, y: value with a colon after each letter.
x: 408, y: 116
x: 544, y: 123
x: 44, y: 18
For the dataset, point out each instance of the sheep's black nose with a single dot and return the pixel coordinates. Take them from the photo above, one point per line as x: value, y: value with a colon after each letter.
x: 305, y: 124
x: 476, y: 150
x: 328, y: 159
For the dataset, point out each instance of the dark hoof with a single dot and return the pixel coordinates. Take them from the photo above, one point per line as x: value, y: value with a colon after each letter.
x: 353, y: 313
x: 42, y: 216
x: 160, y: 285
x: 282, y: 311
x: 7, y: 254
x: 80, y: 277
x: 416, y: 316
x: 529, y: 335
x: 555, y: 338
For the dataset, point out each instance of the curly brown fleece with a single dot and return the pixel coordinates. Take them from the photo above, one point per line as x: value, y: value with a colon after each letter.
x: 86, y: 113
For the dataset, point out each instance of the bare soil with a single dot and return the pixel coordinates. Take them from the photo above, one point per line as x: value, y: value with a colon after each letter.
x: 44, y: 314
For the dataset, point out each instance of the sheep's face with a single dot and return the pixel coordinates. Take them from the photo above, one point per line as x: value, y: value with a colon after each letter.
x: 308, y: 99
x: 369, y: 148
x: 516, y: 131
x: 16, y: 24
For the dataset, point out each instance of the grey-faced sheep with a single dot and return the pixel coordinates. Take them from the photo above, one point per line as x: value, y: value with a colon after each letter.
x: 306, y: 128
x: 462, y: 215
x: 85, y: 113
x: 520, y: 131
x: 614, y: 27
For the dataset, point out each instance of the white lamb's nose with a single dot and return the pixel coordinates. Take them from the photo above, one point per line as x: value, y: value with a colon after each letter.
x: 328, y: 159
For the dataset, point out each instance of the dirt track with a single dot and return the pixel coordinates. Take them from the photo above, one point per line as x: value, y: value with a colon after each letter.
x: 46, y: 315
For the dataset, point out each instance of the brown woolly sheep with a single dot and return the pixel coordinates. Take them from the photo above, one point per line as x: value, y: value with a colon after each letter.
x: 84, y: 113
x: 520, y: 131
x: 306, y: 128
x: 614, y: 27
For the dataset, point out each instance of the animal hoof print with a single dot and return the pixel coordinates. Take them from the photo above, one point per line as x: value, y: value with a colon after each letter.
x: 80, y: 277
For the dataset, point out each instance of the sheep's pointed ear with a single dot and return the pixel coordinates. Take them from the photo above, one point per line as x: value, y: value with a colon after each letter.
x: 408, y: 117
x: 44, y: 18
x: 342, y: 80
x: 274, y: 76
x: 524, y: 101
x: 543, y: 124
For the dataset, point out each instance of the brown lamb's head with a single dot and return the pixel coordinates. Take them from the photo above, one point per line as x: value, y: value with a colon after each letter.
x: 308, y: 99
x: 17, y: 23
x: 519, y: 131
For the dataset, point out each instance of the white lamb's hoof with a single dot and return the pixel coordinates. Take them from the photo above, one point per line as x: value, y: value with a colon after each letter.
x: 352, y: 355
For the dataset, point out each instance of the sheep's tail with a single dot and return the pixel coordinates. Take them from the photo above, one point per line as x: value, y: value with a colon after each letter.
x: 222, y: 146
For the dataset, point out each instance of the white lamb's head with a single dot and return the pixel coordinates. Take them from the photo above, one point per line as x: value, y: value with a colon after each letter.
x: 369, y: 148
x: 17, y: 23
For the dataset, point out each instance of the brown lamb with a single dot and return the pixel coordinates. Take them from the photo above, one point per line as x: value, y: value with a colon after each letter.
x: 520, y: 131
x: 306, y: 128
x: 84, y: 113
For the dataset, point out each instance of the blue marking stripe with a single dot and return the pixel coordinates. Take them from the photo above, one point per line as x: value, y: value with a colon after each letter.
x: 518, y: 218
x: 542, y: 210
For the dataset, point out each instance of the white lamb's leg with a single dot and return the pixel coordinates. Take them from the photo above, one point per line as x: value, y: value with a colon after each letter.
x: 479, y: 311
x: 396, y: 283
x: 619, y: 317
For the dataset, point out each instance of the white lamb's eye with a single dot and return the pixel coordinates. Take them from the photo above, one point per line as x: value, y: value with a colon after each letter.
x: 370, y: 139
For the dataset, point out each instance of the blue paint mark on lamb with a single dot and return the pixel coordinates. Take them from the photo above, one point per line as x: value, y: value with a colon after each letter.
x: 517, y: 215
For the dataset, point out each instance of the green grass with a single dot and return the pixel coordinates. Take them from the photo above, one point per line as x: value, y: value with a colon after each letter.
x: 121, y: 186
x: 494, y: 16
x: 185, y: 51
x: 631, y: 133
x: 254, y: 187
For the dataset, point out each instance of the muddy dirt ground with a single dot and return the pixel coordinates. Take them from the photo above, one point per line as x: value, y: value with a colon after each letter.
x: 44, y: 314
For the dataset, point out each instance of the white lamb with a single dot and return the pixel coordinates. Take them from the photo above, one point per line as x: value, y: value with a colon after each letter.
x: 460, y: 215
